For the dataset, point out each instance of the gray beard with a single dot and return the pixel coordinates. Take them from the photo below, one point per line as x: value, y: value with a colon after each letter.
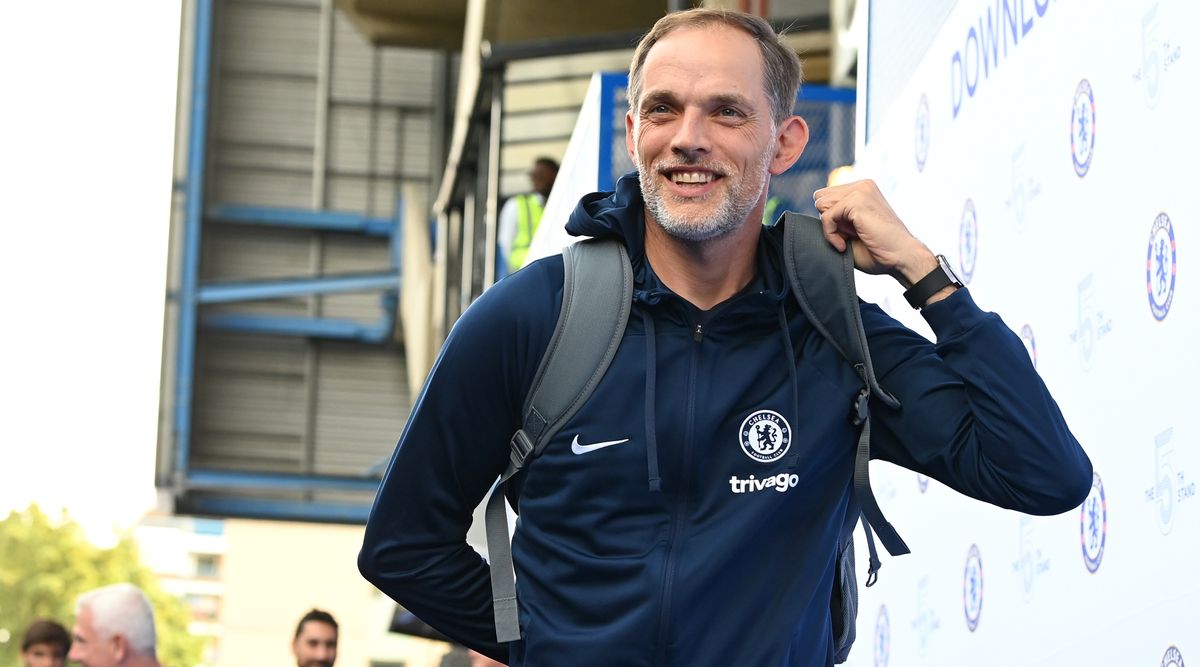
x: 725, y: 219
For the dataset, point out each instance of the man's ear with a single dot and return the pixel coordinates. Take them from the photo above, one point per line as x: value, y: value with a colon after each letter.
x: 629, y: 137
x: 790, y: 140
x: 120, y: 647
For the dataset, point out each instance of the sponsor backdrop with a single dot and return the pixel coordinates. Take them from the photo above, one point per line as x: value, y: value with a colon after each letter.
x: 1048, y: 149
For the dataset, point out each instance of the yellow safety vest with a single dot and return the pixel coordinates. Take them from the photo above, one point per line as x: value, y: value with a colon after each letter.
x: 769, y: 210
x: 529, y: 214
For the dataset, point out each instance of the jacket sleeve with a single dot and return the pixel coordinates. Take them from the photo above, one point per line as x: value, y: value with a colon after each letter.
x: 452, y: 449
x: 974, y: 413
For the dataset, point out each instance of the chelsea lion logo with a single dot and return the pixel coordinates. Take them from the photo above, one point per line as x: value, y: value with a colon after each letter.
x: 765, y: 436
x: 1160, y: 266
x: 1172, y: 658
x: 973, y: 588
x: 1093, y: 525
x: 1083, y: 128
x: 968, y: 242
x: 922, y: 132
x: 883, y: 638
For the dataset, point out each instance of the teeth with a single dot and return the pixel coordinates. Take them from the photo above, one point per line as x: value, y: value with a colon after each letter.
x: 691, y: 177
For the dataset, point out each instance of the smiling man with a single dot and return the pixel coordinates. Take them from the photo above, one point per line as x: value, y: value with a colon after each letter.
x: 690, y: 512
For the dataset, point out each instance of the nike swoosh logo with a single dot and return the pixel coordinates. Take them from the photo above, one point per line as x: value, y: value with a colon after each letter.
x: 584, y: 449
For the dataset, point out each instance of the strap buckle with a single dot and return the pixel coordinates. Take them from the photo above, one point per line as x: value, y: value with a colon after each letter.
x: 862, y: 407
x: 520, y: 448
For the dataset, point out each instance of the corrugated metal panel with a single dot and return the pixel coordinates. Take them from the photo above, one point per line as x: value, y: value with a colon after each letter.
x: 542, y: 97
x: 265, y: 101
x: 254, y: 253
x: 344, y: 253
x: 250, y: 407
x: 291, y: 404
x: 363, y: 401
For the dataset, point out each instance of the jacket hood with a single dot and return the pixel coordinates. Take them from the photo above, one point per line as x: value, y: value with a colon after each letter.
x: 620, y: 214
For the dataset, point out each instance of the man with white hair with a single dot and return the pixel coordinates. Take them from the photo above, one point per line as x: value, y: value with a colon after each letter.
x: 114, y: 626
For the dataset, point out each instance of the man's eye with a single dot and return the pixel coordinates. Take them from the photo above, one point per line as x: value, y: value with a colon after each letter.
x: 730, y: 112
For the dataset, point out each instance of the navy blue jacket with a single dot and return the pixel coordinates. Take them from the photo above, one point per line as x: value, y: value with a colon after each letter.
x: 678, y: 547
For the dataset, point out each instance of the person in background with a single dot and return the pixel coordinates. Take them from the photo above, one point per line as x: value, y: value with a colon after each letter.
x: 114, y: 627
x: 316, y: 639
x: 45, y: 644
x: 521, y: 214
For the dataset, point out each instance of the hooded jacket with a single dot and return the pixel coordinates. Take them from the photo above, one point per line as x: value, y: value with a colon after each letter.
x: 689, y: 513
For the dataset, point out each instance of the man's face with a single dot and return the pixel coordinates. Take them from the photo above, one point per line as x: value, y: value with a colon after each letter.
x: 87, y: 647
x: 702, y: 134
x: 542, y: 177
x: 44, y: 655
x: 316, y: 646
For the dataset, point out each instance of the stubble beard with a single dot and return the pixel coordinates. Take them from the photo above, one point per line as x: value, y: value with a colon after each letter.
x: 737, y: 200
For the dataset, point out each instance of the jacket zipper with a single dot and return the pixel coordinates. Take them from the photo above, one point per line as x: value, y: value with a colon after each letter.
x: 676, y: 533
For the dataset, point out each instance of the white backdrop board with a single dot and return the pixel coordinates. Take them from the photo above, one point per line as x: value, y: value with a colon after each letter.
x: 1047, y: 148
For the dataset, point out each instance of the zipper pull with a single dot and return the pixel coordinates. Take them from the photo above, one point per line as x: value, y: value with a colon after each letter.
x: 698, y: 333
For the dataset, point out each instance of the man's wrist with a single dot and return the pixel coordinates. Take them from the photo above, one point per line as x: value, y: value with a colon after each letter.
x: 935, y: 285
x: 919, y: 264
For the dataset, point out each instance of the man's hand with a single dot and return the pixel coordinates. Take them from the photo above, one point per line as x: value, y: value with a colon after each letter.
x: 857, y: 211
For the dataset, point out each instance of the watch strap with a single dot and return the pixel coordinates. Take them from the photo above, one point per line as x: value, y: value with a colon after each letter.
x: 934, y: 282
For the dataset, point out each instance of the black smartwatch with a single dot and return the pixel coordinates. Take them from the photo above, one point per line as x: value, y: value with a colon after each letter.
x: 938, y: 279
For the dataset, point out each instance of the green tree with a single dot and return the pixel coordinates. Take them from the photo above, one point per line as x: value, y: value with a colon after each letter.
x: 45, y: 564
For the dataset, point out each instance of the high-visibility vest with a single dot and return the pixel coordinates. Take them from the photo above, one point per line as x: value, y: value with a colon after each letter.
x: 529, y: 214
x: 769, y: 210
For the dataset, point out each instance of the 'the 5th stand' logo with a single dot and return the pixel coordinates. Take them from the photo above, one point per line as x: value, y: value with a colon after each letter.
x: 1171, y: 485
x: 1159, y: 56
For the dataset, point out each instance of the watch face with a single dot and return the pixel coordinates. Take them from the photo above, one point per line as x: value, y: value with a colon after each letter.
x: 945, y: 264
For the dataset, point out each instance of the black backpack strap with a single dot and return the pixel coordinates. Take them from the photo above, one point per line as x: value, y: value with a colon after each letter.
x: 823, y: 281
x: 591, y: 324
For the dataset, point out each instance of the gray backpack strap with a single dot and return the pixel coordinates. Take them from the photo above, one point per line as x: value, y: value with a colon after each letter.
x: 591, y: 324
x: 823, y: 281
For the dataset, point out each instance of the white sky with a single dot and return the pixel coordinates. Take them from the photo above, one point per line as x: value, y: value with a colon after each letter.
x: 87, y: 116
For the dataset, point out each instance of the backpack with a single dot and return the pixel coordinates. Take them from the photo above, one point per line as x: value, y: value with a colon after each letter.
x: 590, y: 327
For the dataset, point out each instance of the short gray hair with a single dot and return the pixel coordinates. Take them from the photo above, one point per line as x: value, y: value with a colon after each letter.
x: 781, y: 66
x: 121, y: 609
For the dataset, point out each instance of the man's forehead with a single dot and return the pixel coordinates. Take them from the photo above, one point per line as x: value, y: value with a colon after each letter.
x: 722, y: 55
x: 317, y: 629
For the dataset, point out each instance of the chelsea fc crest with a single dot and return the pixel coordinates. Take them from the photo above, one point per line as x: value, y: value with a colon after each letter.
x: 765, y: 436
x: 1160, y: 266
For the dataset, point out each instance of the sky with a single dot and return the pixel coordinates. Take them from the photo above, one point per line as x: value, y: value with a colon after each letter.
x: 87, y: 124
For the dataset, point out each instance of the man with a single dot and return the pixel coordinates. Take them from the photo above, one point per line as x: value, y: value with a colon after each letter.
x: 114, y: 626
x: 45, y: 644
x: 521, y: 214
x: 643, y: 552
x: 315, y: 641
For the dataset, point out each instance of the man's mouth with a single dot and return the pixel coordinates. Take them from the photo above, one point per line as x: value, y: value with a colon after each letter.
x: 692, y: 177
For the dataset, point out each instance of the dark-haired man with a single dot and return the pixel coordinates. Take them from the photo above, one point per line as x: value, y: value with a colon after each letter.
x: 316, y: 639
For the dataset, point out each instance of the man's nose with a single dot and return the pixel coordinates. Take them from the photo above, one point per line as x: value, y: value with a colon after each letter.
x: 691, y: 140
